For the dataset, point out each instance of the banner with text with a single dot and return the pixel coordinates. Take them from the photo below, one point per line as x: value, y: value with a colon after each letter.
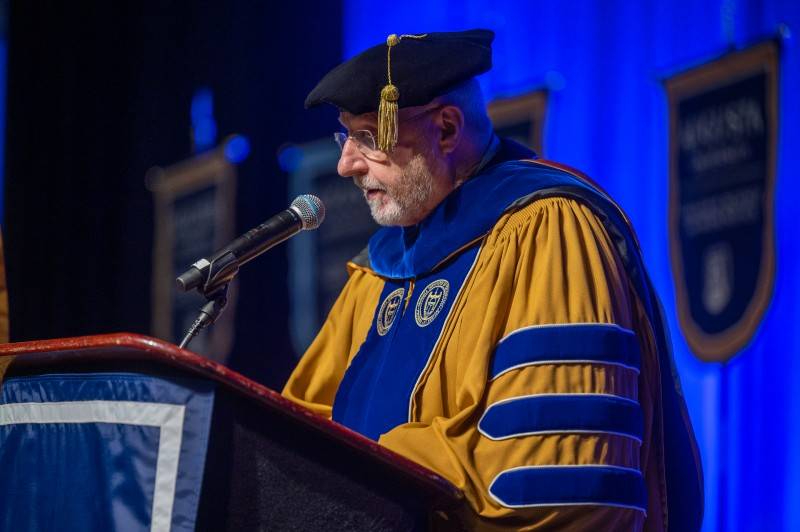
x: 722, y: 149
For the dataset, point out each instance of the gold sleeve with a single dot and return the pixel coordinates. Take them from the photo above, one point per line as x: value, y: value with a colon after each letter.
x: 547, y: 267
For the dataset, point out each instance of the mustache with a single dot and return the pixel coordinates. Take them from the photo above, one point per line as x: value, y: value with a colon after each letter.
x: 368, y: 183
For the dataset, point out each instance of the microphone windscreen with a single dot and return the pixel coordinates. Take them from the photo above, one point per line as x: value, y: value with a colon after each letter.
x: 311, y: 209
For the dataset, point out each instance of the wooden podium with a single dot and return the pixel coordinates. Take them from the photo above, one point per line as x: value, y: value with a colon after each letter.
x: 257, y: 460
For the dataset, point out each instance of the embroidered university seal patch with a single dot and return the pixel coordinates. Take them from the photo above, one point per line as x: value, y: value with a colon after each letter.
x: 388, y: 311
x: 430, y: 302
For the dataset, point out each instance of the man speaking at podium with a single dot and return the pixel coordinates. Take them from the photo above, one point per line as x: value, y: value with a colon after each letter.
x: 500, y: 329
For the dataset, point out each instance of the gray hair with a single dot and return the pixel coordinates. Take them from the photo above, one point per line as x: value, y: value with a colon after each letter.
x: 468, y: 97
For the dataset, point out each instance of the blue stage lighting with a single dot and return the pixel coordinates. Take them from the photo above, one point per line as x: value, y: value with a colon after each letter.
x: 204, y: 127
x: 289, y: 157
x: 237, y: 148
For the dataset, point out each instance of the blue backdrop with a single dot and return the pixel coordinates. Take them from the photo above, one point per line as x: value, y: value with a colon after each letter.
x: 604, y: 61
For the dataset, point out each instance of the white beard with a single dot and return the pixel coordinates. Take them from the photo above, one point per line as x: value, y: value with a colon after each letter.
x: 404, y: 202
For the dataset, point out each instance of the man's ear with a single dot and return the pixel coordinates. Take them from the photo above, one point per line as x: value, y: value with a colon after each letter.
x: 451, y: 126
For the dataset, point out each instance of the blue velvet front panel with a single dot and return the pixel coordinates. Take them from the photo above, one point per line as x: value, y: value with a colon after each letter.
x: 375, y: 392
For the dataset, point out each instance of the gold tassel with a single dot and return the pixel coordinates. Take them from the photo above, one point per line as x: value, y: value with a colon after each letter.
x: 387, y: 109
x: 387, y: 118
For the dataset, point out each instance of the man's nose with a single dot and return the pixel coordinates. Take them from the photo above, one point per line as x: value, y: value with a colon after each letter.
x: 351, y: 162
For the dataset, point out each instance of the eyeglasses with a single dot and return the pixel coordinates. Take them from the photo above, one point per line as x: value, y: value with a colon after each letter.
x: 365, y: 142
x: 365, y: 139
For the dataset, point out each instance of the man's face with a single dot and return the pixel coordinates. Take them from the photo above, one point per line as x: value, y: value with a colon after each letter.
x: 403, y: 187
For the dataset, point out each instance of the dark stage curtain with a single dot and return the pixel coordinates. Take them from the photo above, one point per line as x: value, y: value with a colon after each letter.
x: 98, y: 93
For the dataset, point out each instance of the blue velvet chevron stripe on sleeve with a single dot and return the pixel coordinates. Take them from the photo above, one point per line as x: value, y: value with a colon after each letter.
x: 568, y: 413
x: 599, y: 343
x: 527, y: 487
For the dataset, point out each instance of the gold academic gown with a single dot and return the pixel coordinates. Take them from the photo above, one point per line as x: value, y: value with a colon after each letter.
x: 540, y: 396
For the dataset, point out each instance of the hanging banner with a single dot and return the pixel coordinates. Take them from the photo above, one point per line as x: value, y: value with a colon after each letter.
x: 722, y: 150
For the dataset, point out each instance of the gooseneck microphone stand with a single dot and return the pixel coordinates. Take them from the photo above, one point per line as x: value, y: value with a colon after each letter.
x: 208, y: 314
x: 215, y: 289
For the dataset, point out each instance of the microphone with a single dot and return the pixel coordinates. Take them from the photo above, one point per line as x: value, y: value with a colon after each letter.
x: 305, y: 213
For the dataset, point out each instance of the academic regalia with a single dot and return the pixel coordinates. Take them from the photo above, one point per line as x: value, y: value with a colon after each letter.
x: 503, y: 343
x: 511, y: 341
